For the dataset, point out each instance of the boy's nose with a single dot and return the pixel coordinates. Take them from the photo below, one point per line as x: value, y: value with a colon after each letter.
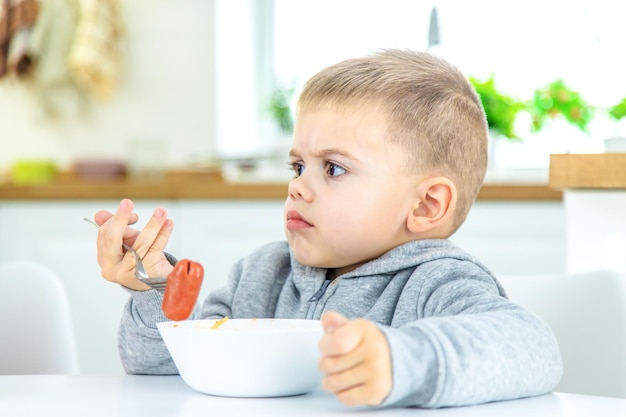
x: 299, y: 189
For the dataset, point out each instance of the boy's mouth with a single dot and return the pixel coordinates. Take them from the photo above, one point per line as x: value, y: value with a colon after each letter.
x: 295, y: 221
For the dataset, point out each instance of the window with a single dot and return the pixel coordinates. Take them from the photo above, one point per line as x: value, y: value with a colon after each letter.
x: 525, y: 45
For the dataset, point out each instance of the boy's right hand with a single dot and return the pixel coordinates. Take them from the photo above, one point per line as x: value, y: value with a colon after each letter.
x: 118, y: 266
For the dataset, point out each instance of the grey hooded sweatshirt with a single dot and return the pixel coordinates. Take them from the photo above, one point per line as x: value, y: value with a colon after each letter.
x: 455, y: 339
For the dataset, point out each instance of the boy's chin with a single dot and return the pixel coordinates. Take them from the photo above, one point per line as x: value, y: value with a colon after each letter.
x: 306, y: 260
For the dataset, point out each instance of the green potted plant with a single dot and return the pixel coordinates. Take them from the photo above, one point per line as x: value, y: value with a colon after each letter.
x: 558, y: 99
x: 501, y: 110
x: 554, y: 100
x: 280, y: 107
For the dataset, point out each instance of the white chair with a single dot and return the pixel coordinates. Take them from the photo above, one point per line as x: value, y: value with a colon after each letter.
x: 36, y: 329
x: 587, y: 312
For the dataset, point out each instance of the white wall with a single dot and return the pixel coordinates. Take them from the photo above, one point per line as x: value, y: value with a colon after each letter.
x: 516, y: 237
x: 167, y: 93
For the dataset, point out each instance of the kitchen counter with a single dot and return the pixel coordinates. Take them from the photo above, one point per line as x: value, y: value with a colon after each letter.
x: 588, y: 171
x: 193, y: 185
x: 594, y: 197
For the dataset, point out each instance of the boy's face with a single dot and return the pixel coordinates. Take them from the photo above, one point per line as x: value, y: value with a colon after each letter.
x: 351, y: 196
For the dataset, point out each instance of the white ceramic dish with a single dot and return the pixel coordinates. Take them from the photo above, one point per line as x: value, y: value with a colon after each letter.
x: 246, y: 357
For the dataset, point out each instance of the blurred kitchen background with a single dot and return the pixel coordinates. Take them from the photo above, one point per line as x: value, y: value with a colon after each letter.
x: 188, y: 105
x: 196, y: 79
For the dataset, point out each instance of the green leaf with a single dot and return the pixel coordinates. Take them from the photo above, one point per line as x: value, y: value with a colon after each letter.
x: 280, y: 107
x: 557, y: 99
x: 501, y: 110
x: 618, y: 111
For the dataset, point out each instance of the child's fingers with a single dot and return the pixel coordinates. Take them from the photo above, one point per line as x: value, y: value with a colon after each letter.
x: 160, y: 264
x: 146, y: 240
x: 340, y: 363
x: 332, y: 320
x: 160, y: 242
x: 362, y: 373
x: 103, y: 215
x: 365, y: 383
x: 342, y: 340
x: 111, y: 234
x: 350, y: 346
x: 345, y: 380
x: 371, y: 393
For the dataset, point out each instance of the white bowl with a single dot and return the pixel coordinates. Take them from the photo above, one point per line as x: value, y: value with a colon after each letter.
x: 246, y: 357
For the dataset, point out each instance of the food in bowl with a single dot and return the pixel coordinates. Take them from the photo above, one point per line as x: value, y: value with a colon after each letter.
x: 246, y: 357
x: 219, y: 323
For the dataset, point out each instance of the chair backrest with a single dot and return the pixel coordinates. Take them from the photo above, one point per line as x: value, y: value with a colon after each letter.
x: 587, y: 312
x: 37, y: 334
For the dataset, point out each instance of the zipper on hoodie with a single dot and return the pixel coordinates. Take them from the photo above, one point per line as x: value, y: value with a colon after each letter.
x: 320, y: 293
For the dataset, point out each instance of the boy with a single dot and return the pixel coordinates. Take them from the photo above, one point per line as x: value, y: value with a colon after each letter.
x: 389, y: 153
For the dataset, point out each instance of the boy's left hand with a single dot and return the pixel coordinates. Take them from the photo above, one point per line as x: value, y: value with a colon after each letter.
x: 355, y: 359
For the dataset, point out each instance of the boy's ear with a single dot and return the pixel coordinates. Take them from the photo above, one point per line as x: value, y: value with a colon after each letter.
x: 434, y: 207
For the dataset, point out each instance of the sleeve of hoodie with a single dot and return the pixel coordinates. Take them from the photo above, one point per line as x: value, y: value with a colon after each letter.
x: 471, y: 345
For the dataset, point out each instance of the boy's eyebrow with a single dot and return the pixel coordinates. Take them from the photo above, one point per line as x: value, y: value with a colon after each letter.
x: 325, y: 153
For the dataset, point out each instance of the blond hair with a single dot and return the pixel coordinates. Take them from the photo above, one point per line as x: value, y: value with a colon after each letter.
x: 430, y: 107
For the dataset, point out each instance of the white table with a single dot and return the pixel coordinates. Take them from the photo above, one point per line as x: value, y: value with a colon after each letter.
x: 156, y: 396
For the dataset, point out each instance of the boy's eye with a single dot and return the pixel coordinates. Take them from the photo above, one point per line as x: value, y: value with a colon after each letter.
x: 297, y: 168
x: 334, y: 170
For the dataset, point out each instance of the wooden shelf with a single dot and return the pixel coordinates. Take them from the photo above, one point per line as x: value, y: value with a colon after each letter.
x: 193, y: 186
x: 601, y: 171
x: 519, y: 192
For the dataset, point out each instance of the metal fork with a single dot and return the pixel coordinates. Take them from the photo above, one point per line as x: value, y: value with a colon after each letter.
x: 140, y: 272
